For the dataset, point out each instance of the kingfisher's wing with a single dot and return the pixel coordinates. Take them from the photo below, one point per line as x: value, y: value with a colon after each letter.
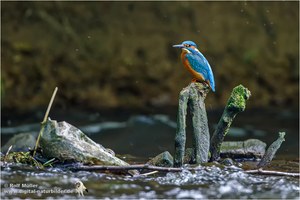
x: 199, y: 63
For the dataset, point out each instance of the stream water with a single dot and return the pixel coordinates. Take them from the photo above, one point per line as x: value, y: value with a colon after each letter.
x: 136, y: 138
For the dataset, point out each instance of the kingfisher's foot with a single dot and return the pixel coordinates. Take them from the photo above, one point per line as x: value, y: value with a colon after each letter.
x: 205, y: 84
x: 198, y: 81
x: 195, y: 80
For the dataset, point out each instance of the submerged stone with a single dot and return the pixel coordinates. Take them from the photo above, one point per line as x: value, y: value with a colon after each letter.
x: 164, y: 159
x: 65, y: 142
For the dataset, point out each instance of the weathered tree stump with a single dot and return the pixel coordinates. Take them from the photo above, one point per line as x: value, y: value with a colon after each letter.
x: 192, y: 96
x: 271, y: 151
x: 236, y: 104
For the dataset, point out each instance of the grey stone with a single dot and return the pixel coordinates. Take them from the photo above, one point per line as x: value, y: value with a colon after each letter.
x: 162, y: 160
x: 20, y: 142
x: 67, y: 143
x: 251, y: 148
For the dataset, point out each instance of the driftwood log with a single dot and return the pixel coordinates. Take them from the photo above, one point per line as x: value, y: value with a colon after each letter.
x: 192, y: 96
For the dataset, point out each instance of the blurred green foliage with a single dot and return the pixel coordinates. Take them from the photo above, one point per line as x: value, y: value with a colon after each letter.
x: 111, y: 54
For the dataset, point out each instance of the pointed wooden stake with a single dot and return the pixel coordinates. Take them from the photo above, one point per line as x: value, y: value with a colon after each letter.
x: 44, y: 120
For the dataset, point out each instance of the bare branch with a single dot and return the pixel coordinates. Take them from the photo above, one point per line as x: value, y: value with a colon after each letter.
x: 274, y: 173
x: 44, y: 120
x: 156, y: 169
x: 126, y: 168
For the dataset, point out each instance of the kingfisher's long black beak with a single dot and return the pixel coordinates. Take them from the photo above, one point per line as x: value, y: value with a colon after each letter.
x: 178, y: 46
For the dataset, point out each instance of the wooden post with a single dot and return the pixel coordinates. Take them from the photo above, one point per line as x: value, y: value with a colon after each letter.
x: 270, y: 153
x: 180, y: 137
x: 192, y: 96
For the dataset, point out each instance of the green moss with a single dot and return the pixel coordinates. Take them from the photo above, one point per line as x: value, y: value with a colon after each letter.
x: 23, y: 158
x: 238, y: 98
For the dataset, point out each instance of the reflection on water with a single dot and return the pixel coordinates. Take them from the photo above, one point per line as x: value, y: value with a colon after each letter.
x: 150, y: 134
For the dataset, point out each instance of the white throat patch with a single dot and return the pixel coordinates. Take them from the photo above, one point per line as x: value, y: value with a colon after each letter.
x: 186, y: 50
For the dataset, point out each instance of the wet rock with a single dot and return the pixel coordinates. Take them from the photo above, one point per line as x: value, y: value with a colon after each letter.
x: 110, y: 151
x: 20, y: 142
x: 67, y: 143
x: 227, y: 161
x: 164, y: 159
x: 251, y: 148
x: 255, y: 147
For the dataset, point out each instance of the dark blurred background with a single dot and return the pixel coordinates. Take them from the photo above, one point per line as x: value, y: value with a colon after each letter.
x: 111, y: 54
x: 118, y: 56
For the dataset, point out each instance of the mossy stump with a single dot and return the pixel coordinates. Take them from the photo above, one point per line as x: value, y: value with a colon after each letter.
x: 235, y: 104
x: 192, y: 96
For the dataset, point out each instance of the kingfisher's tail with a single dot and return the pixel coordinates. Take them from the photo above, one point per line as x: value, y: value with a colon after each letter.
x: 211, y: 84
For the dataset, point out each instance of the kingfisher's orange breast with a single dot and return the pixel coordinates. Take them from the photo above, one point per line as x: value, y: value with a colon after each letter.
x: 187, y: 65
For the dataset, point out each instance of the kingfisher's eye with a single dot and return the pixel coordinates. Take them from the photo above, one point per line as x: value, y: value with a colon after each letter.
x: 187, y: 45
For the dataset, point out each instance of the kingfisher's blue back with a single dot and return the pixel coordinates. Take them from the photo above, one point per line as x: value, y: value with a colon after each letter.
x: 196, y: 63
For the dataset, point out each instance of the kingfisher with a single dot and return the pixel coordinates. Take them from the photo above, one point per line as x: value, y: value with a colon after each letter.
x: 195, y: 62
